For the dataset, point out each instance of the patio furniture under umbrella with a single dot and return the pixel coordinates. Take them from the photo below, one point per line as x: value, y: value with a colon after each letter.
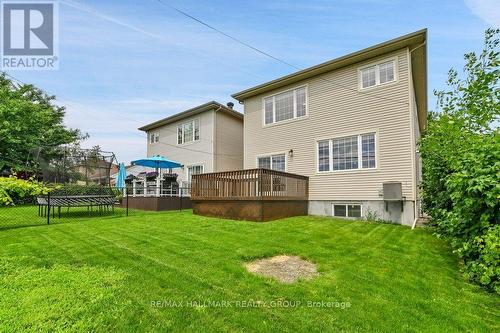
x: 158, y: 162
x: 120, y: 179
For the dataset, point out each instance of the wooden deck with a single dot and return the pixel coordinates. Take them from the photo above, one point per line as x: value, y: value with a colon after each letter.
x: 254, y: 194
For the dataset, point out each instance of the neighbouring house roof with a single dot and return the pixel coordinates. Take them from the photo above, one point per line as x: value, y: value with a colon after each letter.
x: 191, y: 112
x: 132, y: 170
x: 415, y: 41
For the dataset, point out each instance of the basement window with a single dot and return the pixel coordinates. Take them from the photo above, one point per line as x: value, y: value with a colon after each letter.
x: 347, y: 210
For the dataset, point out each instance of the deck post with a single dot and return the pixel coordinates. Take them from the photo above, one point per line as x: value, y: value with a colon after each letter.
x: 126, y: 206
x: 180, y: 199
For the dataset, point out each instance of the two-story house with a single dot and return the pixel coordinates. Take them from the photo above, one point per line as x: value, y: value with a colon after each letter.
x: 350, y: 124
x: 206, y: 138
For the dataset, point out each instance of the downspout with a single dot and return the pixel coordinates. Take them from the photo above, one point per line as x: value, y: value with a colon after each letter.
x: 416, y: 212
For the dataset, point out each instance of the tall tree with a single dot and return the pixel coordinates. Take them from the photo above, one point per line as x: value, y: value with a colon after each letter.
x: 29, y: 119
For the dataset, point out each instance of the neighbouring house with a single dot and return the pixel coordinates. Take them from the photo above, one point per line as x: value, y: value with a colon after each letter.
x: 96, y: 171
x: 206, y: 138
x: 130, y: 170
x: 350, y: 124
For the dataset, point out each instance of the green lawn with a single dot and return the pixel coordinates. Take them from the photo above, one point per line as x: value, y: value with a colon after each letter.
x: 104, y: 274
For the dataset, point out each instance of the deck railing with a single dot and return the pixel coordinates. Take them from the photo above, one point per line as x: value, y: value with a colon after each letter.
x: 252, y: 184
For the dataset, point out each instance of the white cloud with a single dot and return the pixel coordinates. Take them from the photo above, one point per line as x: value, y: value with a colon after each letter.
x: 486, y: 10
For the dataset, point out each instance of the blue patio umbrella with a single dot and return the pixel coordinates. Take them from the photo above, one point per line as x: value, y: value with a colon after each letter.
x: 157, y: 161
x: 122, y: 174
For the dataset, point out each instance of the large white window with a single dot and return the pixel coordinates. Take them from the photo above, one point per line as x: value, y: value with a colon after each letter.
x: 154, y: 137
x: 194, y: 170
x: 347, y: 153
x: 188, y: 132
x: 273, y: 162
x: 286, y: 105
x: 347, y: 210
x: 378, y: 74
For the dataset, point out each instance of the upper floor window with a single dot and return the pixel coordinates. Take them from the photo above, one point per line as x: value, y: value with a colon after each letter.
x: 286, y: 105
x: 273, y: 162
x: 347, y: 153
x: 188, y: 132
x: 154, y: 137
x: 378, y: 74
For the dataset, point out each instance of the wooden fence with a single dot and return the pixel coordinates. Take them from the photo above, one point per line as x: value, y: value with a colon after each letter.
x: 252, y: 184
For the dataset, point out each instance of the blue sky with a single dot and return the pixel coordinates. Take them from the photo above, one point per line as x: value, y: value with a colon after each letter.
x: 126, y: 63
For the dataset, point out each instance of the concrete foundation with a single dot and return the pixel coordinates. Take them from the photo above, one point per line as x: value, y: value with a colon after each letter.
x: 397, y: 212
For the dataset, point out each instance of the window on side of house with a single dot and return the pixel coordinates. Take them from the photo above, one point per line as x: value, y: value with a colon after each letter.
x: 154, y: 137
x: 347, y: 210
x: 347, y: 153
x: 273, y: 162
x: 194, y: 170
x: 287, y: 105
x: 368, y: 77
x: 324, y: 155
x: 368, y: 150
x: 188, y: 132
x: 264, y: 162
x: 378, y: 74
x: 386, y: 72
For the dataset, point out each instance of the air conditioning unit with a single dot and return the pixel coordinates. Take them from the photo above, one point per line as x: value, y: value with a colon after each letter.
x: 392, y: 191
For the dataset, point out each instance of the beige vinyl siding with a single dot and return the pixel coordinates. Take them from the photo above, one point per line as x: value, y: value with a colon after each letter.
x: 228, y: 142
x: 336, y: 111
x: 192, y: 153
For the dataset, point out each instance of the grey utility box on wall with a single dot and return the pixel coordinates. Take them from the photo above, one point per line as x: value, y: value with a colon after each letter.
x: 393, y: 191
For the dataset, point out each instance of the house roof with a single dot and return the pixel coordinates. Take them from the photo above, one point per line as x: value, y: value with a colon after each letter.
x: 191, y: 112
x: 418, y: 59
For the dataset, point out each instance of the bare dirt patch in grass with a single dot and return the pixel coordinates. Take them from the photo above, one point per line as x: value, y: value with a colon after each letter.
x: 286, y: 269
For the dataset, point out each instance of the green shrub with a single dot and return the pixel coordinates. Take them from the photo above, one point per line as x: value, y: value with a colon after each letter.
x: 485, y: 250
x: 461, y: 165
x: 14, y: 191
x: 75, y: 189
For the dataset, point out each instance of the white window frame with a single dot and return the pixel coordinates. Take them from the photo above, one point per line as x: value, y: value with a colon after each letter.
x: 153, y: 138
x: 377, y: 73
x: 181, y: 125
x: 295, y: 117
x: 347, y: 209
x: 271, y: 159
x: 188, y: 175
x: 360, y: 152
